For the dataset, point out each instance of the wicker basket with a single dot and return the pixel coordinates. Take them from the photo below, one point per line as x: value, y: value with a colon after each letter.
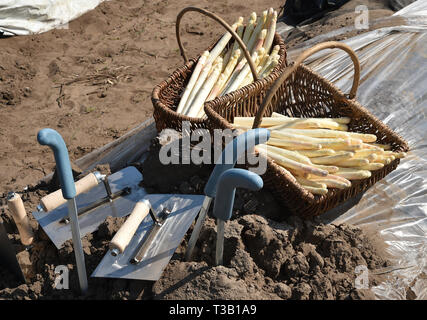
x: 166, y: 96
x: 300, y: 92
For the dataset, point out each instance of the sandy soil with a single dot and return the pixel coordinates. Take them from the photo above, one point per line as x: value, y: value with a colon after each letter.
x: 93, y: 81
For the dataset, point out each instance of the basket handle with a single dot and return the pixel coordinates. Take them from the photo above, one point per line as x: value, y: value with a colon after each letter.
x: 224, y: 24
x: 288, y: 71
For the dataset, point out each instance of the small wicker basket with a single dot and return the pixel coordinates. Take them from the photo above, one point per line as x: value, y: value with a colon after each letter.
x: 300, y: 92
x: 166, y: 96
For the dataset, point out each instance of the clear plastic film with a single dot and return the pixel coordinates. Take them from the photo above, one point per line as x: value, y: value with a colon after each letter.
x: 23, y: 17
x: 394, y: 88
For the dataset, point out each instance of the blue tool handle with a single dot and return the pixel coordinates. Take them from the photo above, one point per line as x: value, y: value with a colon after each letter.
x: 239, y: 144
x: 226, y: 189
x: 51, y: 138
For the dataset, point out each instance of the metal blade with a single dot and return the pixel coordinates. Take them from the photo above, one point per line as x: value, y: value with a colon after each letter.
x: 77, y: 245
x: 219, y: 252
x: 197, y: 228
x: 144, y: 245
x: 184, y: 209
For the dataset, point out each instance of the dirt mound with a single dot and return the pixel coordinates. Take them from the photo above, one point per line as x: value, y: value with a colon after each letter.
x: 39, y: 263
x: 264, y: 259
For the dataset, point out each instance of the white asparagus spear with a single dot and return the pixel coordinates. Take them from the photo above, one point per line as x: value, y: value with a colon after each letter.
x: 293, y: 155
x: 309, y: 123
x: 367, y: 152
x: 260, y: 41
x: 246, y: 73
x: 324, y: 133
x: 397, y: 155
x: 317, y: 153
x: 370, y: 146
x: 266, y: 121
x: 202, y: 77
x: 383, y: 159
x: 243, y: 66
x: 234, y: 84
x: 332, y: 159
x: 372, y: 166
x: 332, y: 176
x: 342, y: 180
x: 230, y: 67
x: 204, y: 91
x: 280, y: 123
x: 271, y: 31
x: 233, y: 49
x: 219, y: 47
x: 382, y: 146
x: 342, y: 120
x: 302, y: 123
x: 215, y: 90
x: 333, y: 183
x: 259, y: 26
x: 292, y: 144
x: 353, y: 162
x: 222, y: 78
x: 370, y: 157
x: 263, y: 61
x: 323, y: 141
x: 192, y: 81
x: 353, y: 174
x: 273, y: 54
x: 313, y: 190
x: 269, y: 68
x: 249, y: 78
x: 350, y: 147
x: 291, y: 164
x: 249, y: 28
x: 310, y: 183
x: 330, y: 169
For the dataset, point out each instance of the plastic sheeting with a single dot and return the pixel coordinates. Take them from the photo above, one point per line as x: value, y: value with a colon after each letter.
x: 23, y: 17
x: 394, y: 88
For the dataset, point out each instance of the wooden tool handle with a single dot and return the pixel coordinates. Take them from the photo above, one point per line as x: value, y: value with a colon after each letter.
x: 55, y: 199
x: 128, y: 229
x: 16, y: 207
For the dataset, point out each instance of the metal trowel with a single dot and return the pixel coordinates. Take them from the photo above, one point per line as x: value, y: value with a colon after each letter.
x: 145, y: 243
x: 98, y: 196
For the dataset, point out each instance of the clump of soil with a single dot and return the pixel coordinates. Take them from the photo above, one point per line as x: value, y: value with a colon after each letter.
x: 264, y: 259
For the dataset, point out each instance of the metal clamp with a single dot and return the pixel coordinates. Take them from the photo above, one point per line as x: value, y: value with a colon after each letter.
x: 109, y: 198
x: 143, y: 246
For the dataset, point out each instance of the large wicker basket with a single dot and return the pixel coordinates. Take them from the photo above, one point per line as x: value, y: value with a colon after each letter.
x: 166, y: 96
x: 300, y: 92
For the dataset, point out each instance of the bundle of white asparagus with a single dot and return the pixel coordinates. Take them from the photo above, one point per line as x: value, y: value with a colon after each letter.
x: 224, y: 69
x: 321, y: 153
